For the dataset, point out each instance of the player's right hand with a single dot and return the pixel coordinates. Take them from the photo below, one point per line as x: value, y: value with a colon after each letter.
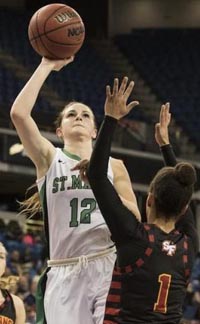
x: 56, y: 65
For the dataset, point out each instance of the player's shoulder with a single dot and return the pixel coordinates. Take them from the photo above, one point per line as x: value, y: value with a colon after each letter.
x: 17, y: 301
x: 19, y: 309
x: 117, y: 165
x: 116, y: 162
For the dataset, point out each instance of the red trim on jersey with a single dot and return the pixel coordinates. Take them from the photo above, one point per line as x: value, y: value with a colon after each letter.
x: 148, y: 251
x: 185, y: 258
x: 115, y: 285
x: 151, y: 238
x: 147, y: 227
x: 113, y: 298
x: 112, y: 311
x: 139, y: 262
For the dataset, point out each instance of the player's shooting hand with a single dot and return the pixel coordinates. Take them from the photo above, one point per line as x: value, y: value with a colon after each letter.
x: 56, y: 65
x: 82, y: 167
x: 116, y: 99
x: 161, y: 128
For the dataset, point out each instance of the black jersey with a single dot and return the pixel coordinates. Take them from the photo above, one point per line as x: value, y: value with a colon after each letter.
x: 7, y: 309
x: 149, y: 280
x: 150, y: 277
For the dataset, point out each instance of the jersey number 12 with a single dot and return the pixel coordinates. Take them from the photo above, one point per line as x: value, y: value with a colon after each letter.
x: 87, y: 205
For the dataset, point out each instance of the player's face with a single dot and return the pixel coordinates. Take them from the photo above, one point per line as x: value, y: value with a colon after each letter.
x: 2, y: 260
x: 77, y: 119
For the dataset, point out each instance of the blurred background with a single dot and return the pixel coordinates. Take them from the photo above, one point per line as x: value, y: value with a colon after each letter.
x: 154, y: 42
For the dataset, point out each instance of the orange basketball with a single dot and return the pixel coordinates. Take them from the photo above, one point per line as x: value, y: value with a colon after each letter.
x: 56, y: 31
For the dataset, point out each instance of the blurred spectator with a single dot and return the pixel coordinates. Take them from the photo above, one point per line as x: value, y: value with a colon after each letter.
x: 2, y: 230
x: 2, y: 226
x: 191, y: 314
x: 14, y: 263
x: 30, y: 314
x: 25, y: 262
x: 14, y: 231
x: 23, y: 286
x: 28, y: 238
x: 12, y: 308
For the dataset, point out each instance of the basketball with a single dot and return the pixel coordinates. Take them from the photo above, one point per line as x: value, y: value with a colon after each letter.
x: 56, y: 31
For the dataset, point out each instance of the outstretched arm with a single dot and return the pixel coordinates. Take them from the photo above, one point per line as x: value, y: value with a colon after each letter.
x: 162, y: 135
x: 187, y: 222
x: 123, y: 186
x: 119, y: 219
x: 36, y: 146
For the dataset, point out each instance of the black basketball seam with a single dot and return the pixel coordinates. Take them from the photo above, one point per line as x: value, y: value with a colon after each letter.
x: 37, y: 28
x: 39, y: 36
x: 62, y: 44
x: 46, y: 33
x: 45, y: 21
x: 31, y: 30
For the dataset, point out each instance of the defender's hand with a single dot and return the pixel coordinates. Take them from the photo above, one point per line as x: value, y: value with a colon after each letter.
x: 82, y: 167
x: 116, y: 100
x: 161, y: 128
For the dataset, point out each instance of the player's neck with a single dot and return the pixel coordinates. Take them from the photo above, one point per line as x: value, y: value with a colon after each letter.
x: 83, y: 150
x: 163, y: 225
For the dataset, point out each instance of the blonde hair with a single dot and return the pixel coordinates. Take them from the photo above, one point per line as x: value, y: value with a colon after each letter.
x: 9, y: 282
x: 30, y: 206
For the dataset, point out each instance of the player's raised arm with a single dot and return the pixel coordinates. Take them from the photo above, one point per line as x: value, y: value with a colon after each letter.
x: 186, y: 223
x: 117, y: 216
x: 36, y: 146
x: 162, y: 135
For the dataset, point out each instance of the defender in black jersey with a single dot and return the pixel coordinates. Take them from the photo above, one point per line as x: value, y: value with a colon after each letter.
x: 154, y: 260
x: 12, y: 310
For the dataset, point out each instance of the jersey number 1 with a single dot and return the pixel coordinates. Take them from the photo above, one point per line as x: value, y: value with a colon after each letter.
x: 88, y: 205
x: 161, y: 304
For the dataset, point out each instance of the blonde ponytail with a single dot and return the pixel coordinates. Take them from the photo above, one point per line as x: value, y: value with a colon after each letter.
x: 31, y: 205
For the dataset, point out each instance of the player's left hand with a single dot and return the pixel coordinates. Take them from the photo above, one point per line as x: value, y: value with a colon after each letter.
x: 161, y: 128
x: 116, y: 100
x: 82, y: 167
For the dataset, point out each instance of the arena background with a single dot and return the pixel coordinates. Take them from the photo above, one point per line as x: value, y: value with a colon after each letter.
x: 155, y: 42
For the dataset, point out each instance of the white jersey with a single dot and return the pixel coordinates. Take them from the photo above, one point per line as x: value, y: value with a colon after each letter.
x: 75, y: 224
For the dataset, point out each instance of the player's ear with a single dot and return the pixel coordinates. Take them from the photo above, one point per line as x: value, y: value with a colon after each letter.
x: 150, y: 199
x: 59, y: 132
x: 94, y: 134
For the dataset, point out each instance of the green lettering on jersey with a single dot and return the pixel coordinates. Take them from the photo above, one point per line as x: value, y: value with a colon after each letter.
x: 55, y: 185
x: 76, y: 182
x: 59, y: 184
x: 62, y: 180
